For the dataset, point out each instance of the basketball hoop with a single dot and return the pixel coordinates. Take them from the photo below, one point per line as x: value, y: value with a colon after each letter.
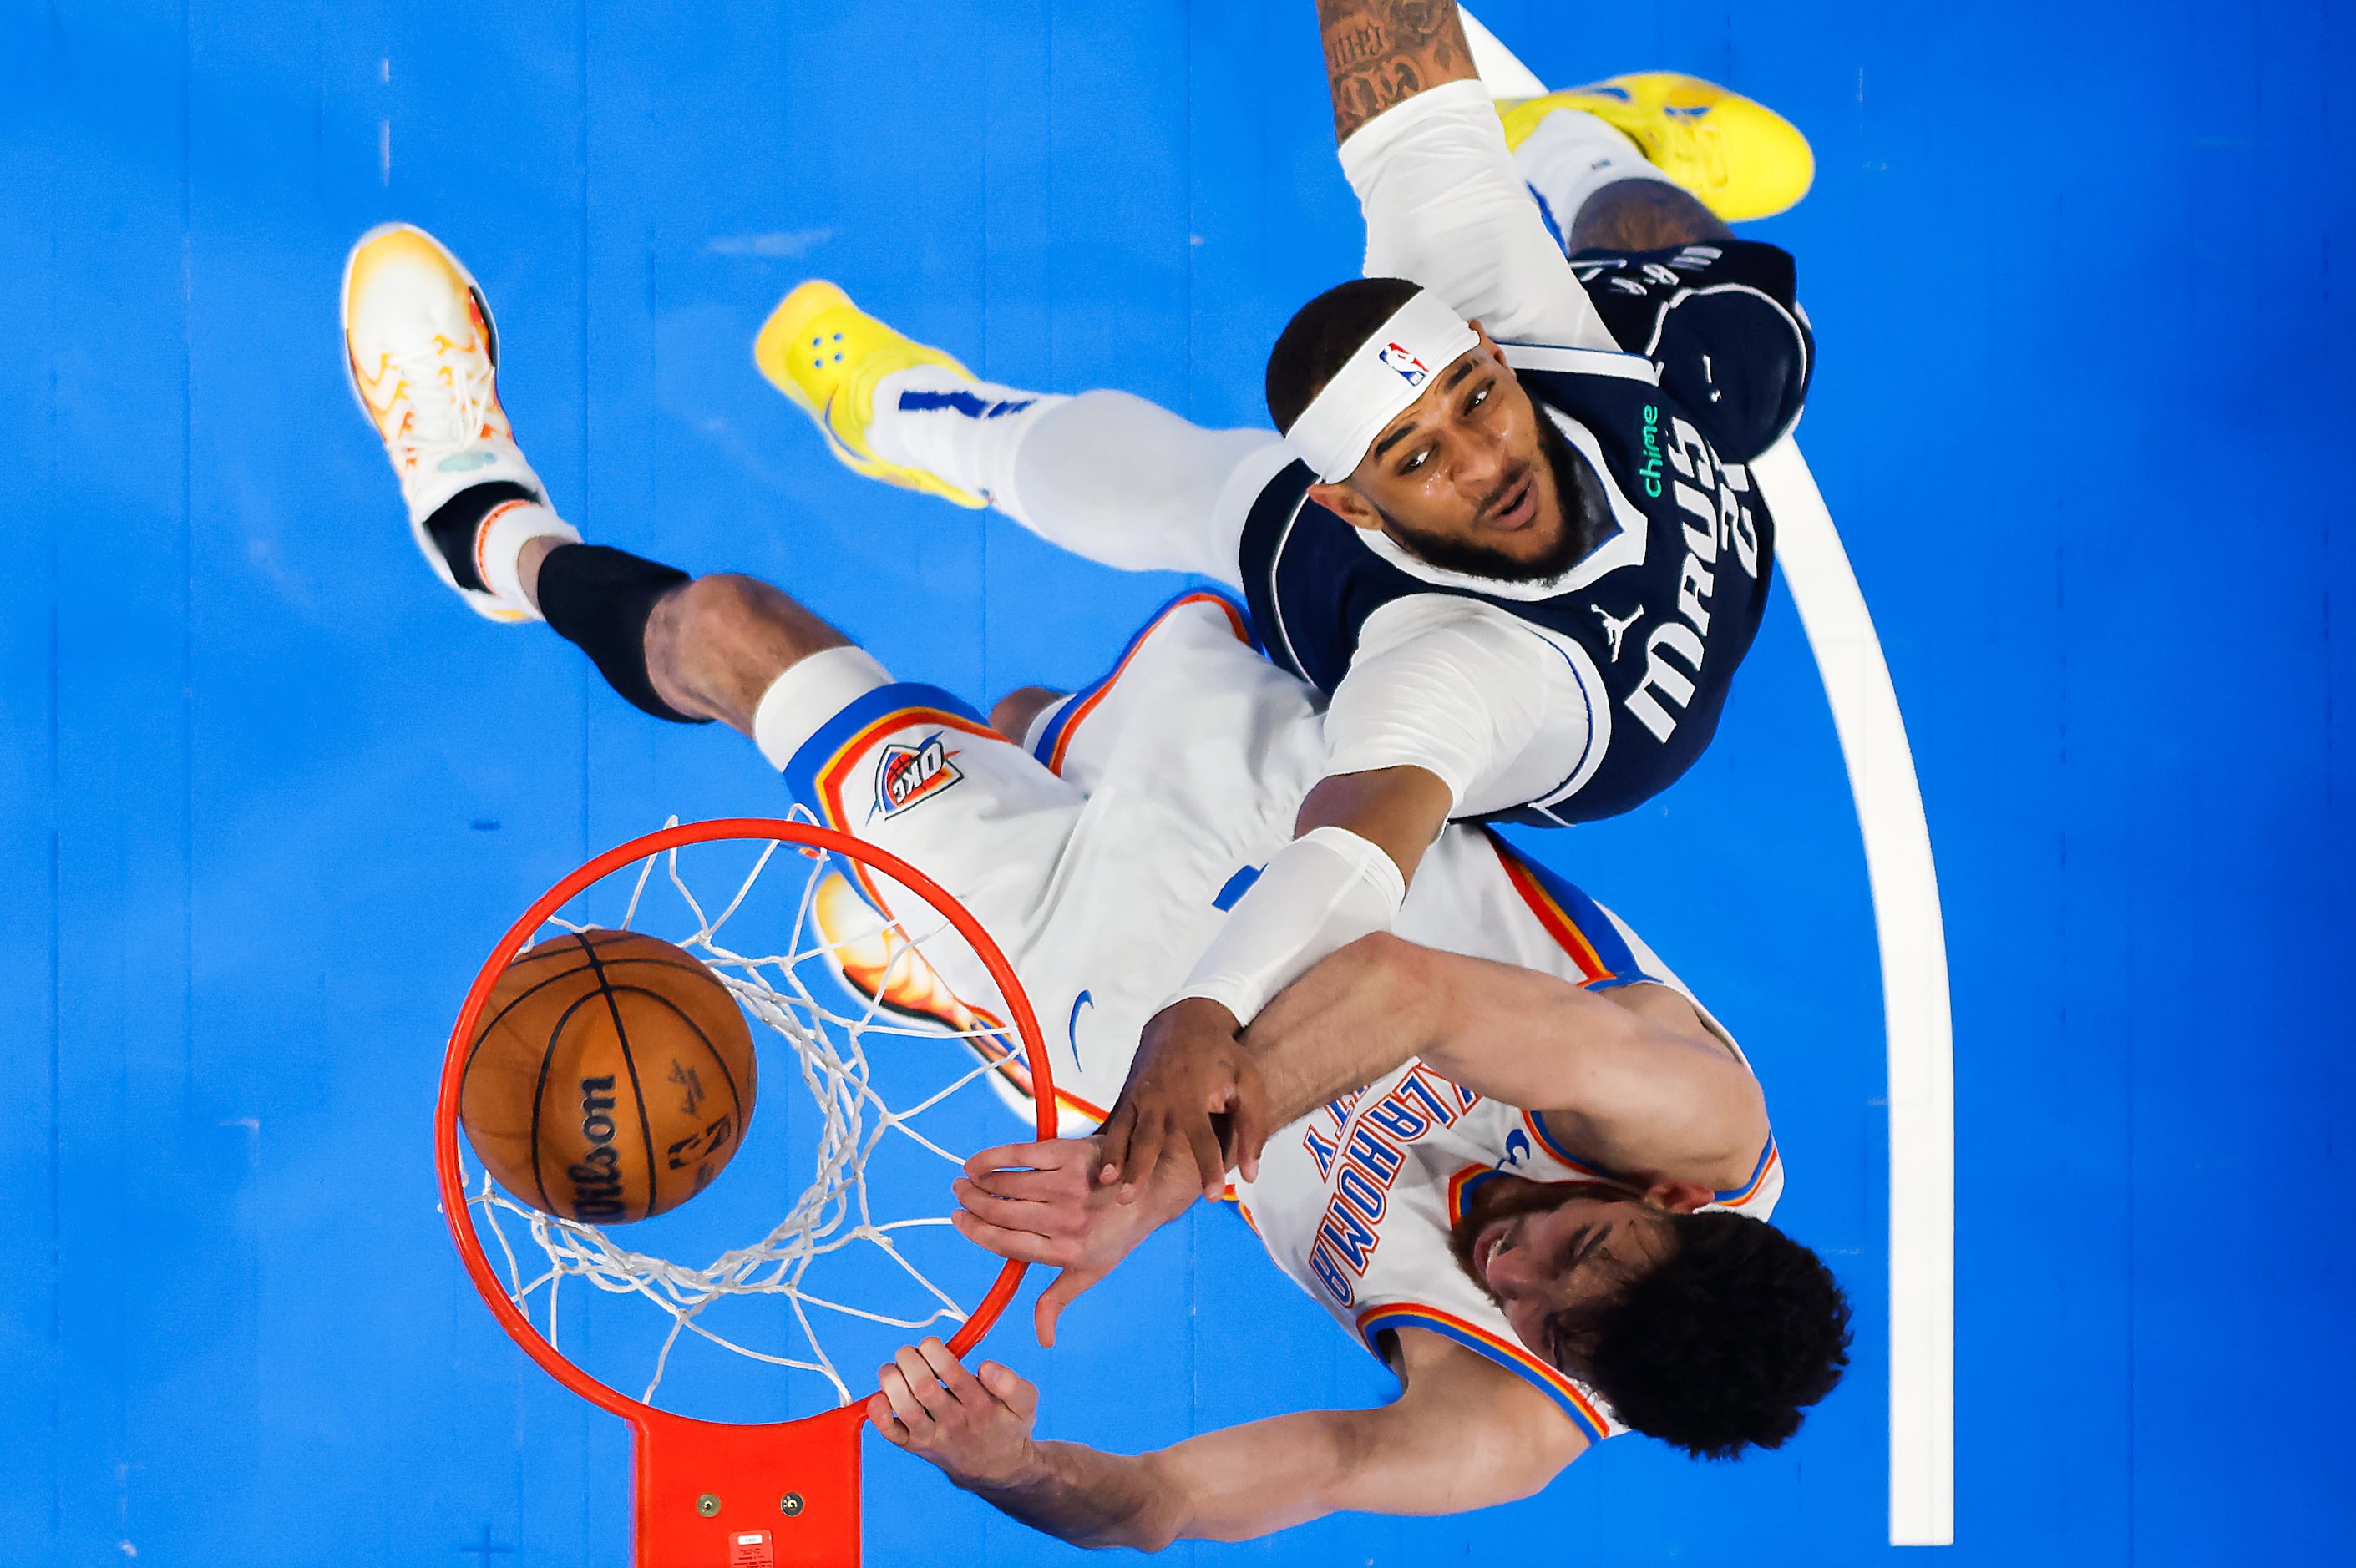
x: 720, y: 1494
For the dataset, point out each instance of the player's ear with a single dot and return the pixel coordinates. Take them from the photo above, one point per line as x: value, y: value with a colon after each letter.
x: 1347, y: 504
x: 1489, y: 345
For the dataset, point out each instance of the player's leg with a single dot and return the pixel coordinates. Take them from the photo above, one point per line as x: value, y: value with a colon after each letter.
x: 1598, y: 192
x: 689, y: 650
x: 1588, y: 153
x: 1108, y: 476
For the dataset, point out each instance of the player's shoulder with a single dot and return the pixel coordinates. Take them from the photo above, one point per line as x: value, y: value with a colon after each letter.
x: 1614, y: 279
x: 1458, y: 616
x: 1722, y: 326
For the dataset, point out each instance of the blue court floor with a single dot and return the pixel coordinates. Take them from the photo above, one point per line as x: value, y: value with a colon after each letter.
x: 2081, y: 278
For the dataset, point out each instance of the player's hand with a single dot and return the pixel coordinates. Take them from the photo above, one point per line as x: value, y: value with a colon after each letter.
x: 1042, y: 1203
x: 1189, y: 1068
x: 975, y: 1425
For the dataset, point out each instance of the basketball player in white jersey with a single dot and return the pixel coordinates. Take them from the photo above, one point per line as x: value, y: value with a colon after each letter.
x: 1524, y: 575
x: 1538, y: 1278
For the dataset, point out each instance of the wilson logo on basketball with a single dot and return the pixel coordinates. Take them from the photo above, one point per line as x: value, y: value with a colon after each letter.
x: 910, y: 774
x: 597, y: 1176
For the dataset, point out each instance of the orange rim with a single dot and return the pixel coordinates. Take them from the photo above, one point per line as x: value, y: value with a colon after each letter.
x: 758, y: 829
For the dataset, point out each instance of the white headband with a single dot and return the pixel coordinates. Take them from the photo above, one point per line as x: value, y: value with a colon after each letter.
x: 1382, y: 376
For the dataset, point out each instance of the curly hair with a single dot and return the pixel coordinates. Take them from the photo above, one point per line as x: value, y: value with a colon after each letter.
x: 1721, y: 1346
x: 1321, y: 337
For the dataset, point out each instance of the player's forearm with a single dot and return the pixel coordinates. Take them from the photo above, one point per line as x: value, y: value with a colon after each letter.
x: 1357, y: 1015
x: 1633, y: 1077
x: 1088, y: 1498
x: 1379, y: 53
x: 1399, y: 810
x: 1637, y: 1094
x: 1243, y: 1482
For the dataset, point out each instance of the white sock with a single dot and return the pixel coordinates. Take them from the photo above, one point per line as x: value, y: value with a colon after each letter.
x: 1572, y: 155
x: 1109, y: 478
x: 800, y: 702
x: 499, y: 540
x: 961, y: 431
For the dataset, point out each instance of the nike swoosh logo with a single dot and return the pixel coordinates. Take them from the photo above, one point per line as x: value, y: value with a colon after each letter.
x: 1072, y: 1025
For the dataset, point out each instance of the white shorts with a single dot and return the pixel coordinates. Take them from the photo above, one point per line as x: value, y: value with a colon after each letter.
x: 1101, y: 860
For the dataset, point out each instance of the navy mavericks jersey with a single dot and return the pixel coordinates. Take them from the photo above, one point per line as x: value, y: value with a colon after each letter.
x: 1655, y: 619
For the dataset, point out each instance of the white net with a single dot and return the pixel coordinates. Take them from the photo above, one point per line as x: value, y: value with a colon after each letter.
x: 846, y: 982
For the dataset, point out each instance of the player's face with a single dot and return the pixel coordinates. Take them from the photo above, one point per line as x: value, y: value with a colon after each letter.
x: 1464, y: 477
x: 1538, y: 1247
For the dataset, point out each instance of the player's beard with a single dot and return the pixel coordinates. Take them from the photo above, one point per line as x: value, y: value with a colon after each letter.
x: 1582, y: 519
x: 1502, y: 1200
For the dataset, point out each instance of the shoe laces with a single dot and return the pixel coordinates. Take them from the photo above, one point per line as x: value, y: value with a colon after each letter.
x: 449, y: 395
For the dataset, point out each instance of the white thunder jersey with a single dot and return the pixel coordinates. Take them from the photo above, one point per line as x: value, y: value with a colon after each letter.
x: 1355, y: 1202
x: 1104, y: 856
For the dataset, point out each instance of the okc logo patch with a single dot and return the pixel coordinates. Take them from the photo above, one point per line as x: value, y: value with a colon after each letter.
x: 1409, y: 367
x: 910, y: 774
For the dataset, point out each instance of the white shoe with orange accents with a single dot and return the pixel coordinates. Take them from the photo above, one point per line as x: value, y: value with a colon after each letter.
x: 423, y: 358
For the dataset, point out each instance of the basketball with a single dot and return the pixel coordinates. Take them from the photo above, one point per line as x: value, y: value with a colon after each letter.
x: 611, y: 1078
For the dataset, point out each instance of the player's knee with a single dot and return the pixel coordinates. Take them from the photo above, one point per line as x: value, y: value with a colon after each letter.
x: 1643, y: 215
x: 722, y: 596
x: 709, y: 609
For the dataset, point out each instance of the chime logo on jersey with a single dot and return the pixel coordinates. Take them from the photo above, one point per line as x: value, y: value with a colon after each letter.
x: 1406, y: 364
x: 910, y: 774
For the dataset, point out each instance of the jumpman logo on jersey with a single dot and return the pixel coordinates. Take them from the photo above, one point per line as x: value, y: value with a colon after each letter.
x: 1615, y: 630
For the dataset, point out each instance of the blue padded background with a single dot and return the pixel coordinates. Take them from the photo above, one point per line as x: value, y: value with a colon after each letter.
x: 2080, y: 275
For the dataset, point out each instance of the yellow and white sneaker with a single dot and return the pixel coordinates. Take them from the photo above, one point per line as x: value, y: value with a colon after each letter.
x: 826, y: 355
x: 1740, y: 158
x: 424, y: 359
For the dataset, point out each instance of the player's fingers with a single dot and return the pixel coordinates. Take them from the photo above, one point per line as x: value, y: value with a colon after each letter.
x: 1046, y: 1154
x: 1038, y: 1218
x: 1210, y: 1163
x: 959, y: 1382
x: 879, y: 1413
x: 1030, y: 1186
x: 1011, y: 1388
x: 905, y: 1406
x: 923, y: 1381
x: 1144, y: 1155
x: 1059, y: 1294
x: 1022, y: 1246
x: 1114, y: 1141
x: 1248, y: 1120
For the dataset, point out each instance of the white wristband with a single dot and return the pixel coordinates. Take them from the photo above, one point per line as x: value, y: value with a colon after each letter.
x: 1320, y: 892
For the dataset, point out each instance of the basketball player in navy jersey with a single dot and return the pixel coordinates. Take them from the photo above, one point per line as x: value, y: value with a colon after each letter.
x: 1519, y: 1161
x: 1520, y: 552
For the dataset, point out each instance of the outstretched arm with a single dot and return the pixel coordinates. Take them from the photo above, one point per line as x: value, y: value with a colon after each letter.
x: 1464, y: 1434
x: 1358, y: 839
x: 1424, y: 150
x: 1632, y: 1074
x: 1060, y: 1203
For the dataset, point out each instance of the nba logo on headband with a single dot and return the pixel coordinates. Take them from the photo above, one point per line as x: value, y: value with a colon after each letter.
x: 1369, y: 390
x: 1406, y: 364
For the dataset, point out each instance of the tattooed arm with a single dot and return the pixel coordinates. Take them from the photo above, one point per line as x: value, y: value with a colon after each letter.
x: 1443, y: 203
x: 1379, y: 53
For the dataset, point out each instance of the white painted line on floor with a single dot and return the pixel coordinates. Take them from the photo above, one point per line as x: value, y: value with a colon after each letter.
x: 1913, y: 937
x: 1906, y: 917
